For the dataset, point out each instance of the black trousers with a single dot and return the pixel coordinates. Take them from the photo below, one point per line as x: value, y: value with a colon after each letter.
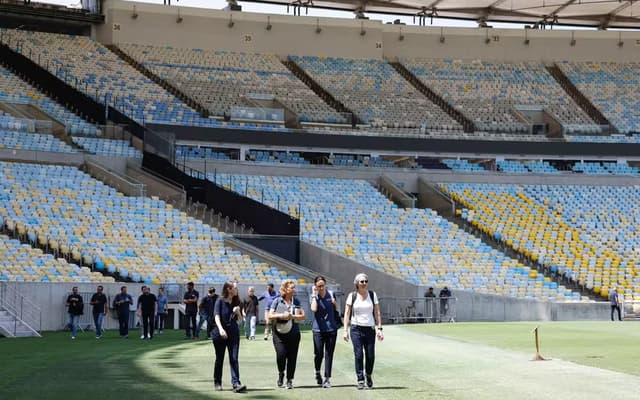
x: 232, y: 345
x: 616, y: 307
x: 123, y: 323
x: 363, y: 339
x: 286, y: 351
x: 190, y: 325
x: 324, y: 344
x: 147, y: 324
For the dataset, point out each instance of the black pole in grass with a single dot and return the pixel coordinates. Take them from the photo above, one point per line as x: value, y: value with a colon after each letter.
x: 537, y: 356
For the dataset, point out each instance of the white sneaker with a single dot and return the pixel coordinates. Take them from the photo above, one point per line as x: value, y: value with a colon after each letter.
x: 141, y: 337
x: 73, y: 338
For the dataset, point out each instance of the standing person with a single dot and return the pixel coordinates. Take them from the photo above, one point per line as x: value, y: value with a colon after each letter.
x: 133, y: 307
x: 75, y: 310
x: 362, y: 314
x: 190, y: 311
x: 615, y: 303
x: 162, y: 310
x: 206, y: 311
x: 269, y: 296
x: 325, y: 328
x: 147, y: 310
x: 226, y: 336
x: 286, y: 312
x: 430, y: 297
x: 121, y: 304
x: 100, y: 309
x: 444, y: 295
x: 250, y: 313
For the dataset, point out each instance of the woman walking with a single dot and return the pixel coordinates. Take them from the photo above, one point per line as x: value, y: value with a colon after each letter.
x: 362, y: 314
x: 325, y: 329
x: 162, y: 310
x: 286, y: 312
x: 226, y: 336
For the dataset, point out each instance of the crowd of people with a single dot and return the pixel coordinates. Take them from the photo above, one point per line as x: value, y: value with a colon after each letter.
x: 224, y: 315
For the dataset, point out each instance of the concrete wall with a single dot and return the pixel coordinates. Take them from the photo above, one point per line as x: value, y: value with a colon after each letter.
x: 209, y: 29
x: 51, y: 297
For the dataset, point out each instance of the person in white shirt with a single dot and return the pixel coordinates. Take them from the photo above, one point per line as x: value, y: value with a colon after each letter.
x: 361, y: 321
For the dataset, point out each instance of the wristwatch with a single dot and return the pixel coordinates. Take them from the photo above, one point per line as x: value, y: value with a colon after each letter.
x: 380, y: 328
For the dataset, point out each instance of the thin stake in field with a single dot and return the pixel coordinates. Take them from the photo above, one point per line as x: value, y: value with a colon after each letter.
x: 537, y: 357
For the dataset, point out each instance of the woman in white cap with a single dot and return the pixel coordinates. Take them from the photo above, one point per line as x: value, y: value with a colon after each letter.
x: 361, y: 322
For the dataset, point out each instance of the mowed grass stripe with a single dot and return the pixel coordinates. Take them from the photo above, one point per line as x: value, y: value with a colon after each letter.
x: 606, y: 344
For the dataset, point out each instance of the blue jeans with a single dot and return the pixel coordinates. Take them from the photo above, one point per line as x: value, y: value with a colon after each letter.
x: 201, y: 321
x: 74, y: 323
x: 97, y: 320
x: 363, y: 339
x: 232, y: 345
x: 250, y: 326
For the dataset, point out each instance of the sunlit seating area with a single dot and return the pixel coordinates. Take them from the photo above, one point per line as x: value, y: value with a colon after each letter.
x: 95, y: 70
x: 22, y: 263
x: 108, y: 147
x: 488, y: 93
x: 416, y: 245
x: 33, y: 142
x: 612, y: 87
x: 143, y: 239
x: 15, y: 90
x: 585, y: 233
x: 221, y: 80
x: 376, y: 93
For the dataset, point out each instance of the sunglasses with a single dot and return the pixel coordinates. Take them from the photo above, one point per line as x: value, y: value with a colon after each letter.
x: 364, y: 281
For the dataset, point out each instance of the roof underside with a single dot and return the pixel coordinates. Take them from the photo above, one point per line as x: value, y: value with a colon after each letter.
x: 596, y: 13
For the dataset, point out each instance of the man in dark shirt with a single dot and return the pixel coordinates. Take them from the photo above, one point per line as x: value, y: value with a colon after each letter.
x: 147, y: 309
x: 75, y: 310
x: 99, y: 303
x: 268, y: 296
x: 121, y: 303
x: 444, y: 295
x: 190, y: 310
x: 206, y: 311
x: 430, y: 298
x: 250, y: 314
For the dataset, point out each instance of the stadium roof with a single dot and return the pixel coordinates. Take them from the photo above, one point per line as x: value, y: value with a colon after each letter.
x: 595, y: 13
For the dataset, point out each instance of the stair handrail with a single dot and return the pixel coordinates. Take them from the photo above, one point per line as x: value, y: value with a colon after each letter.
x: 21, y: 308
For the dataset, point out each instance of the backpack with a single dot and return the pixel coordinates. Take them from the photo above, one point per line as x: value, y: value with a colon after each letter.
x: 353, y: 300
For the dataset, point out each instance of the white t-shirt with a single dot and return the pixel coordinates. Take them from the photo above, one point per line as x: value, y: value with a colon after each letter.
x: 362, y: 310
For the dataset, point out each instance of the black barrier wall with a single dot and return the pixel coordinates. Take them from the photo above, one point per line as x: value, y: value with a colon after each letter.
x: 264, y: 220
x: 66, y: 94
x: 287, y: 247
x: 90, y: 108
x: 402, y: 144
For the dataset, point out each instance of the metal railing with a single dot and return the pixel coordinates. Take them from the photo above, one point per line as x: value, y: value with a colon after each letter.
x: 124, y: 184
x: 25, y: 313
x: 418, y: 309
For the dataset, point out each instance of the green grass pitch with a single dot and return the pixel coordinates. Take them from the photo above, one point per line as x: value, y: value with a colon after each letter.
x: 588, y: 360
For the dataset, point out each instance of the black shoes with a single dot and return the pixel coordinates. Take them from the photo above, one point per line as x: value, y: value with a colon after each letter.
x: 280, y: 380
x: 318, y: 378
x: 369, y: 381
